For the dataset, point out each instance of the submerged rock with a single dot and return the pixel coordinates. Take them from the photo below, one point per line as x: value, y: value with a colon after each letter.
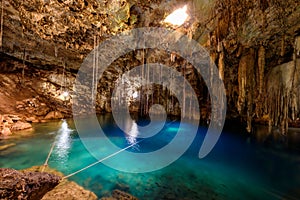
x: 65, y: 190
x: 6, y: 146
x: 26, y: 185
x: 120, y: 195
x: 70, y: 190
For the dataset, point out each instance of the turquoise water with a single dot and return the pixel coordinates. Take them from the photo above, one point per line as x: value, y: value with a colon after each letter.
x: 237, y: 168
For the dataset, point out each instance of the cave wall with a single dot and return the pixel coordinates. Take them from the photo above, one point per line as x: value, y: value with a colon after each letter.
x: 255, y: 45
x: 252, y: 39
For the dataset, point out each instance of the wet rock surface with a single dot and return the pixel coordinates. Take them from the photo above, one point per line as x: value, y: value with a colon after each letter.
x: 70, y: 190
x: 25, y: 185
x: 66, y: 189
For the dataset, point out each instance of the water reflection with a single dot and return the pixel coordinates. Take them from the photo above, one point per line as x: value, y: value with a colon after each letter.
x: 131, y: 132
x: 290, y: 140
x: 63, y: 142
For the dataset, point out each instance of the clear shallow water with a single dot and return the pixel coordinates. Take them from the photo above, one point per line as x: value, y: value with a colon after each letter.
x: 235, y: 169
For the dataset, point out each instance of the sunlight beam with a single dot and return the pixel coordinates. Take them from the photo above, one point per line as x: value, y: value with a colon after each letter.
x: 178, y: 17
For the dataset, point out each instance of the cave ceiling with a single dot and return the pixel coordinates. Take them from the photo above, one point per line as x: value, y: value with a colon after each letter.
x: 53, y: 32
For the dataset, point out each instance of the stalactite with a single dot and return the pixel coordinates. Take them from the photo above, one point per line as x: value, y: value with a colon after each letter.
x: 250, y: 87
x: 221, y: 65
x: 295, y: 78
x: 173, y: 57
x: 184, y: 95
x: 23, y: 70
x: 190, y: 109
x: 142, y: 77
x: 96, y: 79
x: 282, y: 49
x: 2, y: 21
x: 281, y: 96
x: 246, y: 80
x: 261, y: 70
x: 242, y: 84
x: 213, y: 59
x: 55, y: 51
x: 94, y: 67
x: 62, y: 83
x: 147, y: 85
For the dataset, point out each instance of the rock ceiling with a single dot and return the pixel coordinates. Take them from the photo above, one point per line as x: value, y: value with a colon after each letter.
x: 47, y: 29
x: 51, y: 30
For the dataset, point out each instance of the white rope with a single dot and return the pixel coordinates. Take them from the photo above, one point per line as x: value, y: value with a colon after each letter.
x: 62, y: 84
x: 49, y: 154
x: 103, y: 159
x: 94, y: 67
x: 97, y: 63
x: 107, y: 157
x: 23, y: 70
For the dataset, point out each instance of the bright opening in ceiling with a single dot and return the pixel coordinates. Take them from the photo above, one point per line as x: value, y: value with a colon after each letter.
x: 135, y: 95
x: 178, y: 17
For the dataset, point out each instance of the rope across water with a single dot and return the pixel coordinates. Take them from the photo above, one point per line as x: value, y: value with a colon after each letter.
x: 103, y: 159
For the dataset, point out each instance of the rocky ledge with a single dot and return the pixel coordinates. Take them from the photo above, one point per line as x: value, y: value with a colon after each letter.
x: 32, y: 184
x: 65, y: 189
x: 26, y: 185
x: 11, y: 123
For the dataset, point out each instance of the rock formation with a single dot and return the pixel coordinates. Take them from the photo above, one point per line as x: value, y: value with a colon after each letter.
x: 25, y: 185
x: 12, y: 123
x: 255, y: 45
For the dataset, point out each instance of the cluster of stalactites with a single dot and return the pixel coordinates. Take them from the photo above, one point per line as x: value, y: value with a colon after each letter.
x: 274, y: 97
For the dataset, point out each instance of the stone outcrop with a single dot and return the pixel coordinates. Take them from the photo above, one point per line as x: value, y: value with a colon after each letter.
x: 25, y: 185
x: 65, y: 189
x: 54, y: 115
x: 12, y: 123
x: 70, y: 190
x: 20, y: 126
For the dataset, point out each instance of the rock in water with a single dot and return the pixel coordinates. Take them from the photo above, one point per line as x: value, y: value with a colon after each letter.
x: 26, y: 185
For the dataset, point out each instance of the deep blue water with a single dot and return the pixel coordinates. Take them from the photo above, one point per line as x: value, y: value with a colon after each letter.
x: 237, y: 168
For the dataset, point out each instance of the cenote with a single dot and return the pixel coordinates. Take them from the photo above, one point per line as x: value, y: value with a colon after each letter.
x: 239, y: 167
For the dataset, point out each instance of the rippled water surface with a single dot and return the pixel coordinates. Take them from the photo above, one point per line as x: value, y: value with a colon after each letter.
x: 237, y: 168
